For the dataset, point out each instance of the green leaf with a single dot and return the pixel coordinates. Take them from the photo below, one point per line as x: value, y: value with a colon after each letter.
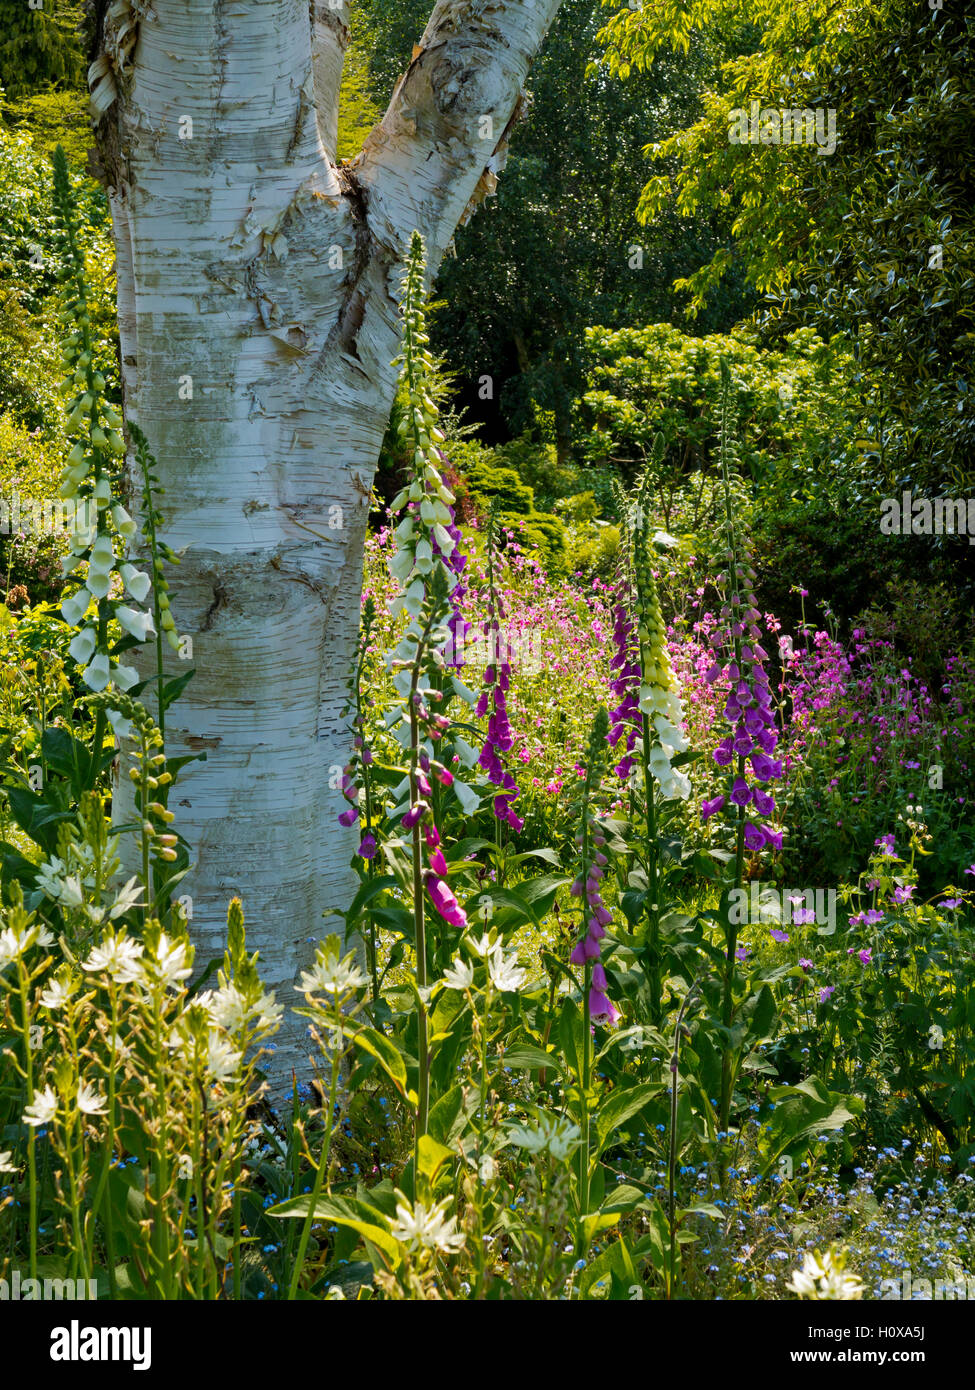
x: 386, y: 1054
x: 447, y: 1119
x: 329, y: 1209
x: 433, y: 1155
x: 614, y: 1260
x: 620, y: 1106
x: 526, y: 1057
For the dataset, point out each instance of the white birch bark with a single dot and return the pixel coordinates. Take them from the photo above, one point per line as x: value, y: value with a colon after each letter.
x: 257, y: 308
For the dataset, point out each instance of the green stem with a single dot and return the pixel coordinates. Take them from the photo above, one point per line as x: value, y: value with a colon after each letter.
x: 584, y: 1112
x: 24, y: 981
x: 652, y: 949
x: 322, y: 1168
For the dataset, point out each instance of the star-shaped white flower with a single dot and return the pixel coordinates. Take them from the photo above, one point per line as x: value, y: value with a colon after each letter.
x: 42, y: 1108
x: 329, y: 975
x: 118, y: 957
x: 90, y: 1100
x: 505, y: 972
x: 418, y: 1228
x: 459, y: 975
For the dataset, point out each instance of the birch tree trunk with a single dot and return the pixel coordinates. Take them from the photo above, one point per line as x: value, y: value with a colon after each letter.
x: 257, y: 292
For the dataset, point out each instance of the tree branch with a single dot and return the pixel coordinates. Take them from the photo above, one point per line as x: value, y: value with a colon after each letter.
x: 329, y: 40
x: 442, y: 142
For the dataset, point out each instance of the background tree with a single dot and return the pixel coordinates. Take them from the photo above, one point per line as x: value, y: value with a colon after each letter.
x: 560, y: 247
x: 875, y: 240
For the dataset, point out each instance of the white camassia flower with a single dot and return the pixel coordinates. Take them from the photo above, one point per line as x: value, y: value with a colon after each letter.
x: 824, y: 1279
x: 505, y: 972
x: 418, y: 1228
x: 171, y: 960
x: 57, y: 992
x: 231, y: 1009
x: 90, y: 1100
x: 14, y: 942
x: 42, y: 1108
x: 5, y: 1164
x: 49, y: 875
x: 128, y: 896
x: 223, y: 1061
x: 552, y: 1132
x: 331, y: 976
x: 483, y: 946
x: 72, y: 893
x: 118, y: 957
x: 460, y: 975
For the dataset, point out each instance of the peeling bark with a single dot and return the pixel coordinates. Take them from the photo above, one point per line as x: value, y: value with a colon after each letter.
x: 257, y: 313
